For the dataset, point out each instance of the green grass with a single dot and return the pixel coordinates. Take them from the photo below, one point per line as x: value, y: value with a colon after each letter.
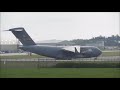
x: 60, y: 73
x: 60, y: 64
x: 87, y: 65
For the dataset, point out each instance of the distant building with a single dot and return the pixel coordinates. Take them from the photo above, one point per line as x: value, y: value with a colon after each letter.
x: 9, y: 48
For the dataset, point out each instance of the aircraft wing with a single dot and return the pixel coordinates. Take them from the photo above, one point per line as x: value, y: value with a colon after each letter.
x: 74, y: 49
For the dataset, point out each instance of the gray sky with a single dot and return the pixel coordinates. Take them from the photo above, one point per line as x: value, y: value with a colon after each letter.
x: 61, y: 25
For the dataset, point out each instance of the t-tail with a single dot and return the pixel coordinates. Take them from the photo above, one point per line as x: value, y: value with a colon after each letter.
x: 22, y: 36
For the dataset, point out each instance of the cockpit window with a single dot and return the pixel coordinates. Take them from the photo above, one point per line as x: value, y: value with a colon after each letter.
x: 83, y: 49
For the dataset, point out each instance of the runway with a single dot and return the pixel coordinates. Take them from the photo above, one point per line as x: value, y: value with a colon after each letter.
x: 108, y: 58
x: 11, y: 54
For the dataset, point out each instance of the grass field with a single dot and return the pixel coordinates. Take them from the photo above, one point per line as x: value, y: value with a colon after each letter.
x: 60, y: 73
x: 30, y: 70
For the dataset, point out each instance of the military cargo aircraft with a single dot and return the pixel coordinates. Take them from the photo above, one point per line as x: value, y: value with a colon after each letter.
x: 57, y: 52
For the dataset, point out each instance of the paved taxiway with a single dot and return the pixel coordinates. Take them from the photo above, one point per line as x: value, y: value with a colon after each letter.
x: 11, y: 54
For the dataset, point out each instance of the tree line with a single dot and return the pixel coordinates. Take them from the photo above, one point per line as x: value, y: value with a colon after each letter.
x: 113, y: 40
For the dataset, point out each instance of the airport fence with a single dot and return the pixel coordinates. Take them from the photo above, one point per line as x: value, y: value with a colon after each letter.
x: 50, y: 62
x: 107, y: 58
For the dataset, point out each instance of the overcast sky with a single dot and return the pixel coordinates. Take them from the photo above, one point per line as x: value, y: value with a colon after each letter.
x: 60, y: 25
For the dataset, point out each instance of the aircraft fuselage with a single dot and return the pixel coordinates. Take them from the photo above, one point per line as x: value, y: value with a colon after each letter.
x: 59, y: 53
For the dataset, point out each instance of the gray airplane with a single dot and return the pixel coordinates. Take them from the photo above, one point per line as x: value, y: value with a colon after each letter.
x: 57, y: 52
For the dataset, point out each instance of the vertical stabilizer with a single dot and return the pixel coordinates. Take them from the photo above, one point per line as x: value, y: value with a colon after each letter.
x: 22, y: 36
